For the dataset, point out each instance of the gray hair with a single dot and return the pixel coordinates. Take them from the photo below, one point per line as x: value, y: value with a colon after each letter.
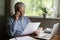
x: 18, y: 5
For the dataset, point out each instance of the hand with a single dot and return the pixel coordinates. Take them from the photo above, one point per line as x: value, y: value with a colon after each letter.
x: 34, y: 33
x: 17, y: 15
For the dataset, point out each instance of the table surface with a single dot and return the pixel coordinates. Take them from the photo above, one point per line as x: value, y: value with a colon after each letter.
x: 56, y: 37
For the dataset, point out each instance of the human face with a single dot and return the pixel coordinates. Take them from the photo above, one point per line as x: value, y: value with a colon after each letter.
x: 21, y: 10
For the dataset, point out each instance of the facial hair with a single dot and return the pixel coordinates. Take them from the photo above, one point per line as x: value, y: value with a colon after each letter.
x: 22, y: 15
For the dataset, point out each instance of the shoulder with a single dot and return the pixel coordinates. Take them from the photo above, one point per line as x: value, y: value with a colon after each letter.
x: 10, y: 17
x: 25, y: 17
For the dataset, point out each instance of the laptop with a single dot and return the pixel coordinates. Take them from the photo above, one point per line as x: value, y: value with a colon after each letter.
x: 47, y: 35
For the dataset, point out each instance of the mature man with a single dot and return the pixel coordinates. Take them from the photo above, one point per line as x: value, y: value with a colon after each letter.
x: 18, y: 22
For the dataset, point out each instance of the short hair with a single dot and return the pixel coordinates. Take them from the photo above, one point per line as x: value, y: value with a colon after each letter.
x: 18, y: 5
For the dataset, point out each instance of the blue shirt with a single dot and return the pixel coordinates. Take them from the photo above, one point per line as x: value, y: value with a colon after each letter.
x: 15, y: 28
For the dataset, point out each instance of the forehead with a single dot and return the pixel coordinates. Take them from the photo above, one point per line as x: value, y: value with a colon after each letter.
x: 22, y: 7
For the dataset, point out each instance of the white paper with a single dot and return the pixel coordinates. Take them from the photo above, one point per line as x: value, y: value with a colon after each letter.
x: 12, y: 39
x: 31, y: 27
x: 25, y: 38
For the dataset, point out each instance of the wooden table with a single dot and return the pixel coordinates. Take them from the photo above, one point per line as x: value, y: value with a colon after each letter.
x: 56, y: 37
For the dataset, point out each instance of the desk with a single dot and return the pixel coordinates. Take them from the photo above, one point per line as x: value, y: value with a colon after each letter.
x: 56, y: 37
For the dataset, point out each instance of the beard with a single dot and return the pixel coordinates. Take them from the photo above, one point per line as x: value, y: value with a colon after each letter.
x: 22, y: 14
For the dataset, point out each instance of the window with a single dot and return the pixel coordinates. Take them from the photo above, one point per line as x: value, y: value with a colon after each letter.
x: 33, y: 7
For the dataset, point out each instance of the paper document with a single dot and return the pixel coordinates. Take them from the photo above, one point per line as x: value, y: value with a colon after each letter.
x: 12, y: 39
x: 31, y: 27
x: 23, y: 38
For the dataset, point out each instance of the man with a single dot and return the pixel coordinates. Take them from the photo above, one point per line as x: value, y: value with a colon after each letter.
x: 18, y: 22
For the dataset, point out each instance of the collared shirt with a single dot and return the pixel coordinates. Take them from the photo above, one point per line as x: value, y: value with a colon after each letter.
x: 15, y: 28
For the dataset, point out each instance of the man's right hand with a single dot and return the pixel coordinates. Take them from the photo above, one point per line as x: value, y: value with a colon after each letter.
x: 17, y: 15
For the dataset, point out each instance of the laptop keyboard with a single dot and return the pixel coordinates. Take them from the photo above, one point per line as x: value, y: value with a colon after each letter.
x: 46, y: 36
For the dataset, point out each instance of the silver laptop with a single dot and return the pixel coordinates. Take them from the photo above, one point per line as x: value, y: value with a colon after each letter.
x: 47, y: 35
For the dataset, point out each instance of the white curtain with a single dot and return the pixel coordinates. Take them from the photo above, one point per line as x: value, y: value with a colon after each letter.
x: 58, y: 15
x: 12, y: 5
x: 55, y: 8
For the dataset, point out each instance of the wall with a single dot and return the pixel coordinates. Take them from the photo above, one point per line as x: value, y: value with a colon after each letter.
x: 2, y: 15
x: 48, y: 22
x: 2, y: 6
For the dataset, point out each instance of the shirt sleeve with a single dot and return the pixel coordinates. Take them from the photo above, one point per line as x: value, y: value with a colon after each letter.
x: 11, y: 27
